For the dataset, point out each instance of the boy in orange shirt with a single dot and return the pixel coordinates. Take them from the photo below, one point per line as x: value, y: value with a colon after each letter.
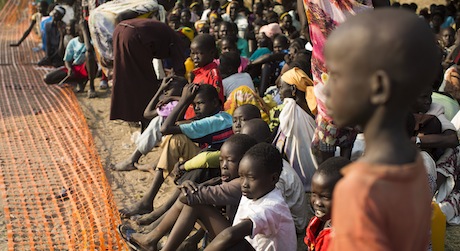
x: 377, y: 70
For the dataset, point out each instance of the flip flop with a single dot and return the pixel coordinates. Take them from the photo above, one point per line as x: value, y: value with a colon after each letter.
x: 126, y: 233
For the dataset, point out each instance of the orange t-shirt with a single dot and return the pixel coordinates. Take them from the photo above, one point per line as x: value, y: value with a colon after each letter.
x: 382, y: 207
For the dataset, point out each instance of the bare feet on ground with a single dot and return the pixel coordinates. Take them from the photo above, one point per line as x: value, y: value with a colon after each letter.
x: 146, y: 219
x: 143, y: 241
x: 146, y: 167
x: 126, y: 165
x: 137, y: 208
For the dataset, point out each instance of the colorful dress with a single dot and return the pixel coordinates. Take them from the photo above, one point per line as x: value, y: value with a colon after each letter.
x: 323, y: 17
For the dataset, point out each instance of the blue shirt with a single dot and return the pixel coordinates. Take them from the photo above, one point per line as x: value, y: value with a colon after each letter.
x: 75, y: 52
x: 210, y: 131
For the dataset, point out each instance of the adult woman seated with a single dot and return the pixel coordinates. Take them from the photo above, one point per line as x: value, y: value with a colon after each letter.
x: 297, y: 124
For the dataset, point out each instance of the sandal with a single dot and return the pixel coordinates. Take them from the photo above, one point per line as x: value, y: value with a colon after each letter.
x: 126, y: 233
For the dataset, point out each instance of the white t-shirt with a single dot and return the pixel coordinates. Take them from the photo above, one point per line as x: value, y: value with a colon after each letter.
x: 291, y: 188
x: 236, y: 80
x: 272, y: 224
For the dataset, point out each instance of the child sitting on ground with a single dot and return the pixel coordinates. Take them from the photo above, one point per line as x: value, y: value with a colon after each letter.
x: 75, y: 68
x: 372, y: 83
x: 202, y: 52
x: 263, y: 220
x: 322, y: 185
x: 210, y: 128
x: 202, y: 165
x: 158, y: 109
x: 229, y: 62
x: 197, y: 201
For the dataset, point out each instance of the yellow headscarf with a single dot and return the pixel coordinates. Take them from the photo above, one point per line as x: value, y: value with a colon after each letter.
x: 302, y: 82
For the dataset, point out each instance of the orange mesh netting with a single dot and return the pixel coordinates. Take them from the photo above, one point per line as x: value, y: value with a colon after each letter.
x: 46, y: 148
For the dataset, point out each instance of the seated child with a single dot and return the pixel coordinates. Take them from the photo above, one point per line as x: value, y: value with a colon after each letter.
x: 286, y: 26
x: 263, y: 218
x: 289, y: 184
x: 322, y: 185
x: 199, y: 201
x: 210, y: 128
x: 198, y: 168
x: 384, y: 194
x: 158, y: 109
x: 202, y: 52
x: 270, y: 64
x: 433, y: 132
x: 229, y: 62
x: 75, y: 69
x: 228, y: 44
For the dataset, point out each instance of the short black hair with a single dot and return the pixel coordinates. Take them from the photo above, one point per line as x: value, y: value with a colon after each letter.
x: 281, y: 38
x: 231, y: 40
x: 241, y: 143
x: 258, y: 129
x: 205, y: 41
x: 209, y: 92
x: 331, y: 168
x: 230, y: 61
x: 251, y: 110
x: 268, y: 156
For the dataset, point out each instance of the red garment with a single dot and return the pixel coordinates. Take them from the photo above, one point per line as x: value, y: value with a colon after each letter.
x: 208, y: 74
x: 78, y: 70
x: 320, y: 242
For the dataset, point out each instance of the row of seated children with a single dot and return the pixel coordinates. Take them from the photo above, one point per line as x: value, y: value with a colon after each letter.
x: 294, y: 87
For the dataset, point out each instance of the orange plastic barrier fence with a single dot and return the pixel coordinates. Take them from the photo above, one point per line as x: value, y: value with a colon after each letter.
x: 46, y: 149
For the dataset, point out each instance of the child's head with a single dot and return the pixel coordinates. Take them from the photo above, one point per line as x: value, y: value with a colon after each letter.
x: 226, y: 29
x: 286, y: 20
x: 373, y: 77
x: 322, y: 186
x: 174, y: 21
x: 423, y: 102
x: 206, y: 102
x: 58, y: 13
x: 260, y: 170
x: 280, y: 43
x: 228, y: 44
x: 447, y: 36
x: 42, y: 8
x: 175, y: 87
x: 242, y: 114
x: 231, y: 153
x: 202, y: 50
x: 185, y: 16
x: 72, y: 28
x: 229, y: 63
x: 258, y: 129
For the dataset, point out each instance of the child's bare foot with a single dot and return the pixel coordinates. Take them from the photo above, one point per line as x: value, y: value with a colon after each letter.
x: 146, y: 219
x: 146, y: 167
x: 126, y: 165
x: 135, y: 240
x: 92, y: 93
x: 142, y: 241
x: 137, y: 208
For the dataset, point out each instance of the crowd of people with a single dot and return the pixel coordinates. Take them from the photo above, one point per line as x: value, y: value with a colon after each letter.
x: 258, y: 108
